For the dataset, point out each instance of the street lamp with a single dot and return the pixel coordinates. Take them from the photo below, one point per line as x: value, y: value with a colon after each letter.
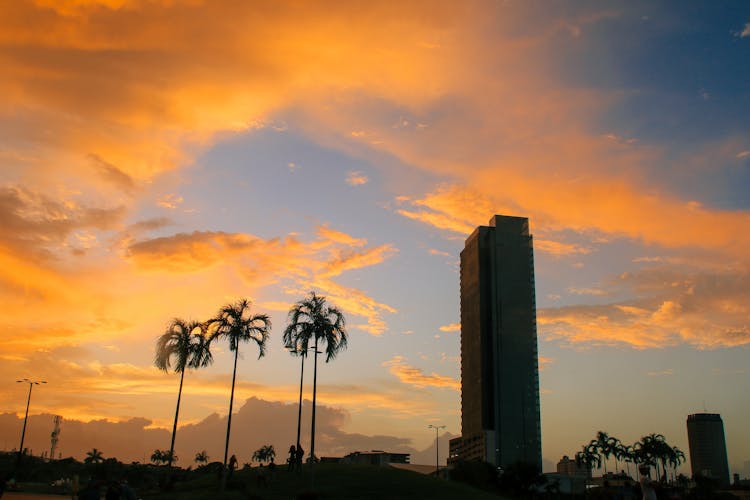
x: 31, y: 383
x: 437, y: 452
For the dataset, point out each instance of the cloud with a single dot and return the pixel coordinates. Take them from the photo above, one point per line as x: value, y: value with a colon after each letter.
x: 699, y: 309
x: 544, y: 362
x: 586, y: 291
x: 356, y: 178
x: 453, y: 327
x: 441, y: 253
x: 743, y: 154
x: 170, y: 201
x: 560, y: 248
x: 414, y: 376
x: 308, y: 265
x: 334, y: 236
x: 745, y: 31
x: 348, y: 260
x: 622, y: 211
x: 135, y: 438
x: 112, y: 174
x: 36, y: 224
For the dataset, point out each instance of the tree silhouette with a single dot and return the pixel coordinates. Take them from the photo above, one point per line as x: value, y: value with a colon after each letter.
x: 185, y: 345
x: 94, y: 457
x: 626, y: 453
x: 163, y: 457
x: 312, y: 318
x: 265, y: 453
x: 603, y: 447
x: 201, y: 457
x: 236, y: 324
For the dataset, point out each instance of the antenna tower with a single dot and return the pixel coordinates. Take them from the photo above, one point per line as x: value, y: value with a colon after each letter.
x: 55, y: 436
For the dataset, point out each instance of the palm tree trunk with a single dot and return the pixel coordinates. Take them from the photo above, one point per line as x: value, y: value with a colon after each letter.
x: 299, y: 411
x: 229, y: 420
x: 312, y: 435
x: 176, y: 415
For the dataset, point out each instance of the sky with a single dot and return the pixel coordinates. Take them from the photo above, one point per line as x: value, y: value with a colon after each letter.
x: 162, y: 158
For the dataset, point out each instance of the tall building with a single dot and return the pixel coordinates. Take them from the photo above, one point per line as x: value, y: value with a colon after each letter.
x: 708, y: 448
x: 500, y: 421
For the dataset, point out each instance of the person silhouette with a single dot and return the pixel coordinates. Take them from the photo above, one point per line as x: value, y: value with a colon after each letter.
x: 292, y: 460
x: 232, y: 465
x: 298, y: 457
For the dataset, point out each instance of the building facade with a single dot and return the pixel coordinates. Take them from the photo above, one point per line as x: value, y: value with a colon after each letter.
x: 708, y: 448
x: 500, y: 418
x: 569, y: 467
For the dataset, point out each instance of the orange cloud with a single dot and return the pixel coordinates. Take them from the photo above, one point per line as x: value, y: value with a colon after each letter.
x: 414, y: 376
x: 310, y: 265
x: 453, y: 327
x: 706, y: 311
x: 356, y: 179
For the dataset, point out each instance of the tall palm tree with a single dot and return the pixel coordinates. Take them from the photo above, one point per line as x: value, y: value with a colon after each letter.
x: 588, y: 457
x: 313, y: 319
x: 297, y: 349
x: 651, y: 449
x: 676, y: 457
x: 615, y: 447
x: 186, y: 345
x: 602, y: 444
x: 236, y: 323
x: 627, y: 454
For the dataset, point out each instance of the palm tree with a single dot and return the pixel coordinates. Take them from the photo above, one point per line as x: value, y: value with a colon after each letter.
x: 312, y: 318
x: 650, y: 450
x: 602, y: 444
x: 627, y: 454
x: 589, y: 458
x: 237, y: 324
x: 94, y: 457
x: 201, y: 457
x: 189, y: 346
x: 298, y: 350
x: 615, y: 446
x: 265, y: 453
x: 163, y: 457
x: 676, y: 458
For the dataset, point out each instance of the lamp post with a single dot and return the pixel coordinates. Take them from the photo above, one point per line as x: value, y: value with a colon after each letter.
x: 437, y: 449
x: 31, y: 383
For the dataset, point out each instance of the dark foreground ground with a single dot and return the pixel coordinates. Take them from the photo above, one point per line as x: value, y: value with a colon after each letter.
x: 331, y: 481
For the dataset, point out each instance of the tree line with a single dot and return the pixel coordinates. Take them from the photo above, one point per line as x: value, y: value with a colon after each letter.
x: 187, y: 344
x: 651, y: 450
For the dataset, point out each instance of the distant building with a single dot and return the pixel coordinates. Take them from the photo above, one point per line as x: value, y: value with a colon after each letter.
x: 500, y: 421
x: 708, y: 449
x: 376, y: 457
x: 569, y: 467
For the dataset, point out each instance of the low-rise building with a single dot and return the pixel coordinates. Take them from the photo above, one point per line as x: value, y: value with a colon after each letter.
x: 376, y: 457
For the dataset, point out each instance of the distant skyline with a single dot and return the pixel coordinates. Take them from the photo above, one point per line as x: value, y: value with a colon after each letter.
x: 160, y: 159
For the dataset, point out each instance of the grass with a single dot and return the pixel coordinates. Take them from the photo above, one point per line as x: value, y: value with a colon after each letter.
x: 331, y: 481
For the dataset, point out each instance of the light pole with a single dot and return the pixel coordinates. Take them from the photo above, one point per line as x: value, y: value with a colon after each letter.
x: 31, y: 383
x: 437, y: 450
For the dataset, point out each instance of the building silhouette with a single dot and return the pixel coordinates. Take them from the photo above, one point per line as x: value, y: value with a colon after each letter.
x: 500, y: 421
x: 708, y: 448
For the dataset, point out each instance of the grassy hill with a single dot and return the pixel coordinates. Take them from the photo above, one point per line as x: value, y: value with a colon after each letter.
x: 331, y: 481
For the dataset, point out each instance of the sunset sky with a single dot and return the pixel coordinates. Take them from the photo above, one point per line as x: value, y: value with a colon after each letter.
x: 160, y: 158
